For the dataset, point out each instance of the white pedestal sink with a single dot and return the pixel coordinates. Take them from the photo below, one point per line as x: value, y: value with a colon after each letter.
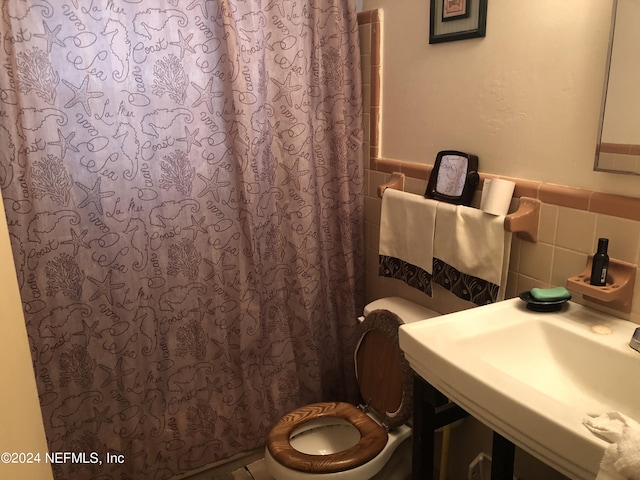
x: 532, y: 377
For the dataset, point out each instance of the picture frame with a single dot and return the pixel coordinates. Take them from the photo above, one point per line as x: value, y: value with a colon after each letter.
x: 455, y: 9
x: 454, y: 177
x: 452, y: 20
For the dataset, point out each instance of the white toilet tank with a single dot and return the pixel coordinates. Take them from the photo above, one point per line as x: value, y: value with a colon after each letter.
x: 405, y: 309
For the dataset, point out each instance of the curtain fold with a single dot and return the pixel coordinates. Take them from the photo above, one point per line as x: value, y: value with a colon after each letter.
x: 183, y: 183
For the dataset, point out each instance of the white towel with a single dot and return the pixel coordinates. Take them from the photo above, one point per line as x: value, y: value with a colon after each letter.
x: 406, y: 229
x: 476, y: 245
x: 621, y: 460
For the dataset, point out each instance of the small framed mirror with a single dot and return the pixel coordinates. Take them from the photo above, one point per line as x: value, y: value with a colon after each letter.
x: 454, y: 177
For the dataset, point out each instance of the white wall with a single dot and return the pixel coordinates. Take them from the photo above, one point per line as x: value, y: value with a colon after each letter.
x: 526, y: 98
x: 21, y: 428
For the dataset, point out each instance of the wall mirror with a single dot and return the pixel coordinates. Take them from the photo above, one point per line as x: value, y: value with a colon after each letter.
x: 618, y: 148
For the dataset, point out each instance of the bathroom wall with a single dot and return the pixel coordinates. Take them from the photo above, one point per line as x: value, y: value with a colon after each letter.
x: 21, y: 428
x: 571, y: 221
x: 414, y: 110
x: 526, y: 99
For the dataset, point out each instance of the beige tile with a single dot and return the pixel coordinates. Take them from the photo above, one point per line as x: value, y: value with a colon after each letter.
x: 536, y: 260
x: 367, y: 182
x: 567, y: 233
x: 374, y: 128
x: 417, y: 170
x: 372, y: 209
x: 365, y: 66
x: 526, y: 283
x: 366, y: 148
x: 608, y: 161
x: 618, y: 162
x: 623, y: 235
x: 443, y: 301
x: 375, y: 179
x: 380, y: 287
x: 366, y: 126
x: 627, y: 163
x: 414, y: 185
x: 576, y: 229
x: 365, y: 38
x: 366, y: 95
x: 514, y: 260
x: 371, y: 261
x: 512, y: 286
x: 375, y: 87
x: 373, y: 235
x: 548, y: 225
x: 566, y: 263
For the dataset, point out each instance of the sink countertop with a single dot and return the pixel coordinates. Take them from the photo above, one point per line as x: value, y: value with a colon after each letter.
x: 532, y: 377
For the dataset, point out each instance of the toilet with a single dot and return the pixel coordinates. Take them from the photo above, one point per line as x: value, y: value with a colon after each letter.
x: 337, y: 440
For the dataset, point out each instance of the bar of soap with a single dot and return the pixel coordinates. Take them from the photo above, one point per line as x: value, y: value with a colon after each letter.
x: 550, y: 294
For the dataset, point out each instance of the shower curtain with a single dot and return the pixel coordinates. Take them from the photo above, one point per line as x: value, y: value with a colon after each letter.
x: 183, y: 186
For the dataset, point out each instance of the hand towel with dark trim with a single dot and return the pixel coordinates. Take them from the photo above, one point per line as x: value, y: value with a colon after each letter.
x: 471, y: 253
x: 407, y: 224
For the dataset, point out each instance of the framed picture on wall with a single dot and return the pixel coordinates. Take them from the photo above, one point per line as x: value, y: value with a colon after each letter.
x: 457, y: 20
x: 455, y: 9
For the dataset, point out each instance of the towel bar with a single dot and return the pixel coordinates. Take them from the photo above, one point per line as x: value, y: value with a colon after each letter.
x: 396, y: 182
x: 523, y: 222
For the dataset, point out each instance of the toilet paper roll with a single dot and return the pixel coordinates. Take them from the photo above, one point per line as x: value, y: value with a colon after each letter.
x: 496, y: 196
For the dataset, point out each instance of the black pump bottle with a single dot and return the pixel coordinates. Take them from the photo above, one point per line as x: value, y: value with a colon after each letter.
x: 600, y: 264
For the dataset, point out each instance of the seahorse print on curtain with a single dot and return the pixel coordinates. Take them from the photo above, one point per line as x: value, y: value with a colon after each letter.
x: 183, y: 184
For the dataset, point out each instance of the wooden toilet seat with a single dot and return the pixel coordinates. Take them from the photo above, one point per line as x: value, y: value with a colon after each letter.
x: 373, y: 438
x: 385, y: 382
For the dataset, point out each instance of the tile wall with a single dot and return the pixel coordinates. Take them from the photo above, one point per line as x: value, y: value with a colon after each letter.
x: 619, y: 156
x: 571, y: 219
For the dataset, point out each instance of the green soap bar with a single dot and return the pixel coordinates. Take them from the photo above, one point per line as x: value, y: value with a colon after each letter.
x: 550, y: 294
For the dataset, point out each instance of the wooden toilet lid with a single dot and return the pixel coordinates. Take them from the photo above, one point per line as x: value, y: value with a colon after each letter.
x: 383, y: 373
x: 373, y: 438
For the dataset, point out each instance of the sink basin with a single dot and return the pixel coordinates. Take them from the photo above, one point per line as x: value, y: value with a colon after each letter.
x: 532, y: 377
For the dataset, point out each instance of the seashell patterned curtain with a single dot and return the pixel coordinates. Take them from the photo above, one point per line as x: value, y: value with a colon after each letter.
x: 183, y: 186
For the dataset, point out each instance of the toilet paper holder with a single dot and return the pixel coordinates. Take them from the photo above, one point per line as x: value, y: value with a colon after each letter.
x: 523, y: 222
